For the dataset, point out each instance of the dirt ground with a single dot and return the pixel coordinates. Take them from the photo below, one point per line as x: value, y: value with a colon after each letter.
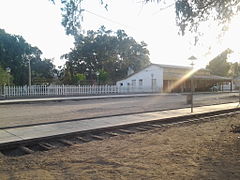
x: 198, y: 151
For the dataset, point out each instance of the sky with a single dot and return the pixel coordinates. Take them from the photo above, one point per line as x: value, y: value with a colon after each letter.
x: 39, y: 22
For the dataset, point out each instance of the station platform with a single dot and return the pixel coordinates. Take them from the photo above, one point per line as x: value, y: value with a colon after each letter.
x: 10, y: 135
x: 75, y: 98
x: 19, y: 100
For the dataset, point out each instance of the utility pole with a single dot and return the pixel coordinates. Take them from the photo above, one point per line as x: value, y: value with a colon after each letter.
x: 152, y: 81
x: 29, y: 73
x: 98, y: 73
x: 8, y: 69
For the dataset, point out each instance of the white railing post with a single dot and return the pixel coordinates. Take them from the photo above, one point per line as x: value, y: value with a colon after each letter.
x: 4, y: 91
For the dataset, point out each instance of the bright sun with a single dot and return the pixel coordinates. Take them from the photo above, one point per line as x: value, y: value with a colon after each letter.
x: 212, y: 45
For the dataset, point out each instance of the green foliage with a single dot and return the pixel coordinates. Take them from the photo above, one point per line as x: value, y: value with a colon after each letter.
x: 103, y: 77
x: 234, y: 70
x: 72, y: 15
x: 5, y: 77
x: 111, y: 52
x: 79, y: 78
x: 66, y: 74
x: 16, y: 53
x: 219, y: 65
x: 189, y: 13
x: 42, y: 71
x: 13, y: 53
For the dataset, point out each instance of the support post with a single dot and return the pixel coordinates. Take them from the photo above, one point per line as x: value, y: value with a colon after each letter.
x: 191, y: 94
x: 239, y: 93
x: 192, y: 58
x: 29, y: 73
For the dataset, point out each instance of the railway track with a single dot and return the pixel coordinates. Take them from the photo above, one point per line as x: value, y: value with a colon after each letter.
x: 21, y: 148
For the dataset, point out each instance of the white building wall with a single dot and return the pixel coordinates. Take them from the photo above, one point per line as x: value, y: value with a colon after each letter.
x: 147, y: 80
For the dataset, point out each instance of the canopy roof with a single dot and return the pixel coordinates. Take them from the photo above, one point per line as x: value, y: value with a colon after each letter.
x: 177, y: 76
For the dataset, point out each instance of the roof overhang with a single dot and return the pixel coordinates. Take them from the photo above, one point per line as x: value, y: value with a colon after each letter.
x: 172, y: 76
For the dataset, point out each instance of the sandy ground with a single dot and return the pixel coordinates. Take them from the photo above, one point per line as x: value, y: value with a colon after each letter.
x: 198, y: 151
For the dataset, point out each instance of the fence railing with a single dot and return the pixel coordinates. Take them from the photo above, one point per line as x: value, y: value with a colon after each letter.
x: 66, y: 90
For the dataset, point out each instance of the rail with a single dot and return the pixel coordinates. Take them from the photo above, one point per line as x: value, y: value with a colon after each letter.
x: 20, y: 148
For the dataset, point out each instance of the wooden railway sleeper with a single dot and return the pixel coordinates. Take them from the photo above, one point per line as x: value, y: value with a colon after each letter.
x: 82, y: 139
x: 46, y: 146
x: 141, y: 129
x: 125, y: 131
x: 156, y: 125
x: 66, y: 142
x: 111, y: 133
x: 97, y: 137
x: 26, y: 149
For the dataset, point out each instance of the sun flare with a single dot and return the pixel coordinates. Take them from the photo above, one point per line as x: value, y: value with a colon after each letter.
x: 182, y: 79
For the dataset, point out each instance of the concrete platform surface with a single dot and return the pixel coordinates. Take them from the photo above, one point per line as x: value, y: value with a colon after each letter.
x: 31, y: 132
x: 15, y: 100
x: 45, y: 99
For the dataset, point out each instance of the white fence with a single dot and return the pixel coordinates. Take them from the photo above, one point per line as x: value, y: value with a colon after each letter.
x: 63, y: 90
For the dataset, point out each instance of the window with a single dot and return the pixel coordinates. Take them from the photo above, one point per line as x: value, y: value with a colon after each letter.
x: 154, y: 83
x: 134, y: 82
x: 140, y: 82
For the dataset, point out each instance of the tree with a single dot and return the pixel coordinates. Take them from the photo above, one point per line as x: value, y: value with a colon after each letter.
x: 79, y: 78
x: 103, y: 77
x: 5, y: 77
x: 42, y: 71
x: 234, y: 70
x: 105, y: 51
x: 219, y: 65
x: 16, y: 54
x: 189, y: 13
x: 66, y: 75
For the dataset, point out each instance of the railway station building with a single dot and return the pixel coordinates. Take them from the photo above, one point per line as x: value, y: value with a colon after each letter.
x: 169, y: 78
